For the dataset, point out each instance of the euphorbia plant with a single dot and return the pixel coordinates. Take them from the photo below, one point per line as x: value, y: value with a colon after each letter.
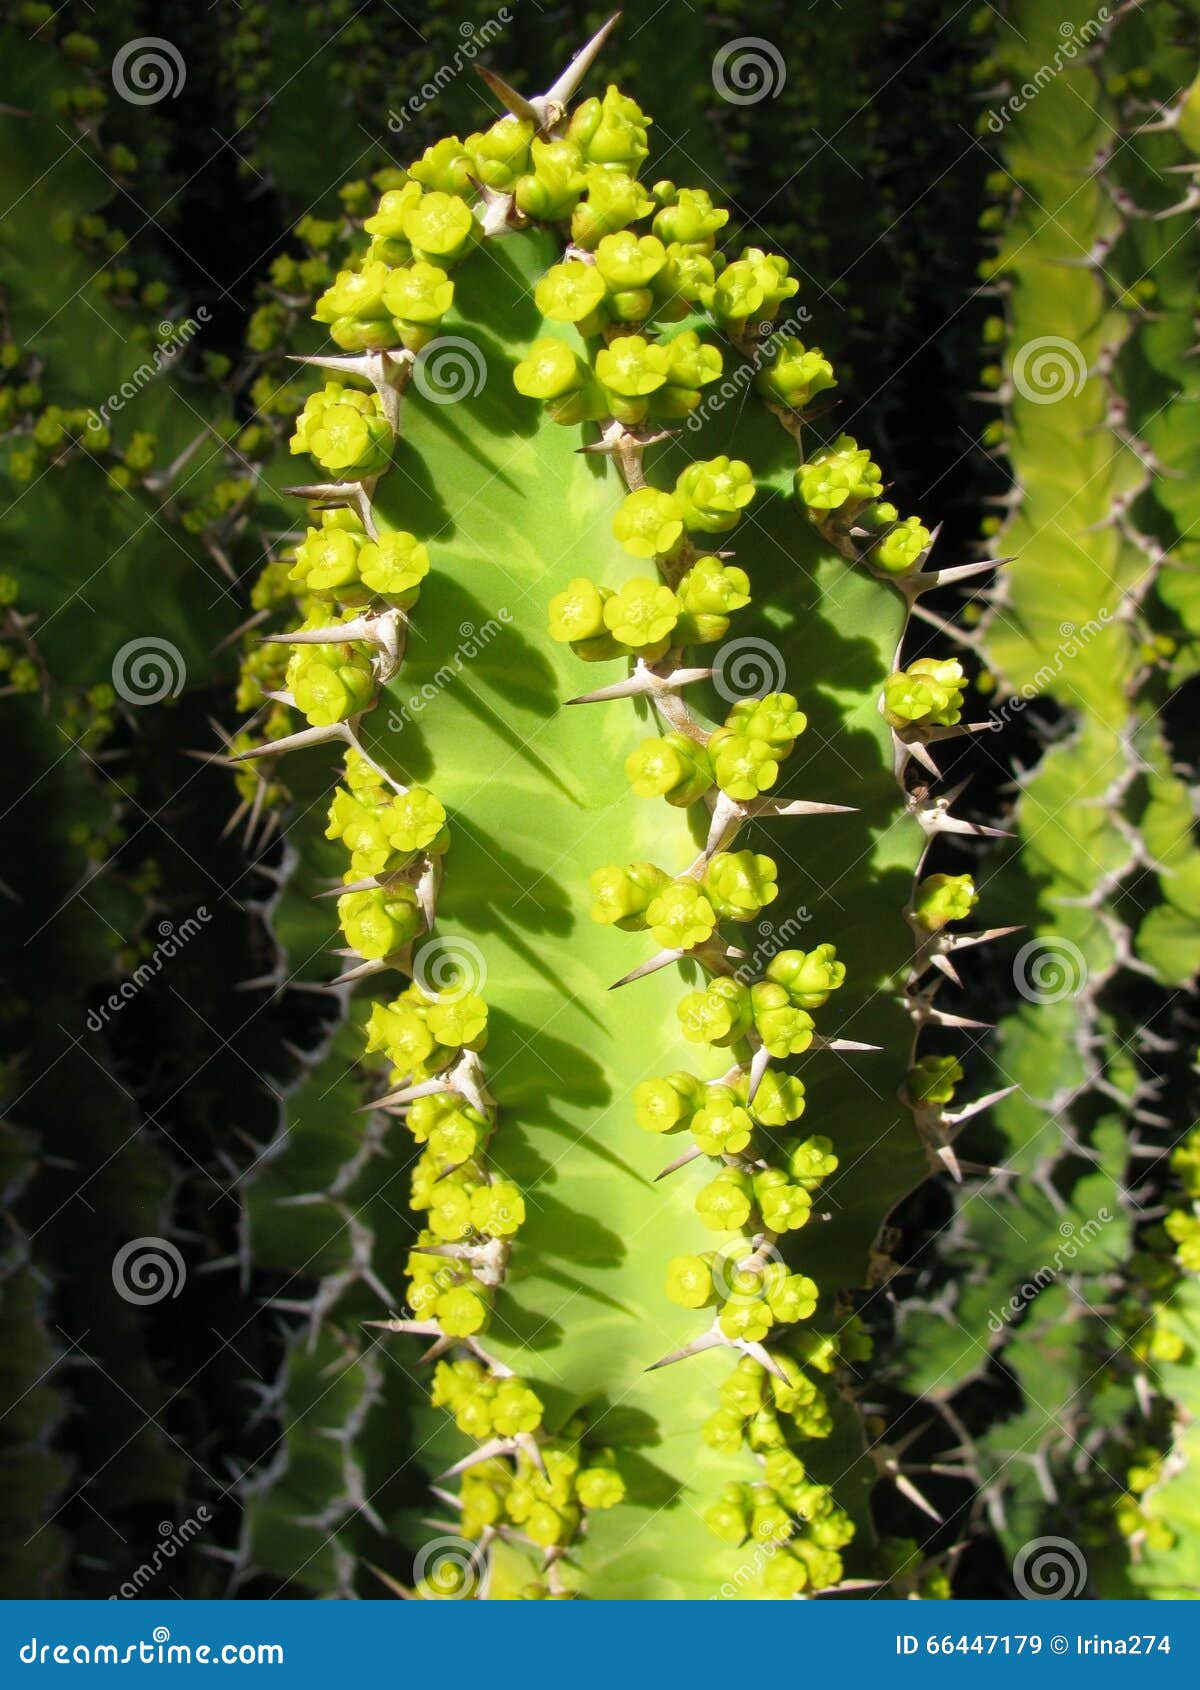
x: 560, y: 410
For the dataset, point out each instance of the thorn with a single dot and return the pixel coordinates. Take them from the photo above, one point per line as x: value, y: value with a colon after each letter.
x: 662, y: 960
x: 958, y: 572
x: 778, y: 807
x: 335, y: 494
x: 387, y: 372
x: 679, y: 1162
x: 941, y: 1018
x: 619, y: 441
x: 961, y: 941
x: 643, y: 681
x: 917, y: 750
x: 965, y: 637
x: 362, y: 971
x: 547, y: 110
x: 759, y: 1064
x: 819, y: 1043
x: 419, y: 1328
x: 242, y: 628
x: 293, y: 742
x: 907, y: 1488
x: 706, y: 1341
x: 946, y: 967
x: 764, y: 1358
x: 508, y: 96
x: 945, y: 1155
x: 406, y: 1094
x: 394, y: 1585
x: 486, y: 1452
x: 979, y: 1105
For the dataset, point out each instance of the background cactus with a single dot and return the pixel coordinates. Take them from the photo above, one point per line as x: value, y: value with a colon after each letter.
x: 1095, y: 268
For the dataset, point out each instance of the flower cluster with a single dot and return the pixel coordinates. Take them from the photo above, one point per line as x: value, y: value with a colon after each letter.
x: 928, y: 694
x: 683, y: 912
x: 788, y: 1513
x: 338, y: 562
x: 544, y: 1498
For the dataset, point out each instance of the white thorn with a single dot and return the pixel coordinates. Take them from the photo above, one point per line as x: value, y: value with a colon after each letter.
x: 643, y: 681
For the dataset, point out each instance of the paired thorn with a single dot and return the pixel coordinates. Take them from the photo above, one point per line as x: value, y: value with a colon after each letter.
x: 387, y: 372
x: 644, y: 681
x: 334, y: 495
x: 546, y: 111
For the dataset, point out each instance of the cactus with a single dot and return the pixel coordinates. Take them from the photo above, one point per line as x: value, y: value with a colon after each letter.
x: 511, y: 300
x: 118, y: 507
x: 1095, y: 265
